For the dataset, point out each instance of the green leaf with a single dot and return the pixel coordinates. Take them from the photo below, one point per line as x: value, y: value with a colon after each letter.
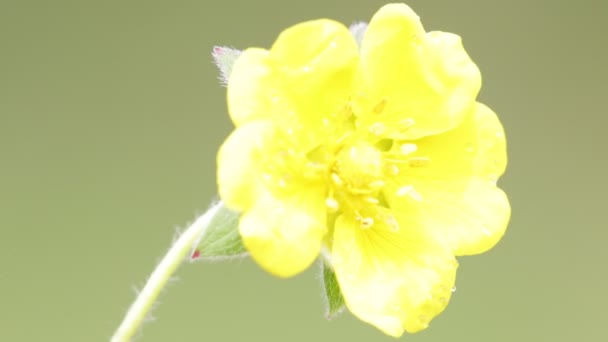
x: 334, y: 300
x: 224, y: 58
x: 221, y: 240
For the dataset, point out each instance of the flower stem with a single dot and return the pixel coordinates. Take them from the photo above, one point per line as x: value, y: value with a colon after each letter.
x: 160, y: 276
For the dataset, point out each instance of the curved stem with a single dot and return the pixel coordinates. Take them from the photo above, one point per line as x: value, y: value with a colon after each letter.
x: 160, y: 276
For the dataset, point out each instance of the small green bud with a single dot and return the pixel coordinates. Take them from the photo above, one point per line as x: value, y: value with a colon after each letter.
x: 334, y: 300
x: 224, y: 58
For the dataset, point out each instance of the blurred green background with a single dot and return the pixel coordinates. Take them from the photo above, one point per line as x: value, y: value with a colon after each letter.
x: 110, y: 117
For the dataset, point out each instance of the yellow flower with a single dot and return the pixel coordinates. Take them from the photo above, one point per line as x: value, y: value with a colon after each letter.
x: 378, y: 157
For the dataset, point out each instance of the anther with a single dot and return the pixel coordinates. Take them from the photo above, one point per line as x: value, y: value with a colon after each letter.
x: 409, y: 191
x: 394, y: 169
x: 418, y: 161
x: 336, y: 179
x: 378, y: 184
x: 406, y: 123
x: 366, y: 222
x: 372, y: 200
x: 332, y: 204
x: 377, y: 128
x: 408, y: 148
x: 379, y: 108
x: 392, y: 223
x: 404, y: 190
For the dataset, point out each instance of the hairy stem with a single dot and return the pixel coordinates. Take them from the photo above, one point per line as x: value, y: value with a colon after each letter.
x: 160, y: 276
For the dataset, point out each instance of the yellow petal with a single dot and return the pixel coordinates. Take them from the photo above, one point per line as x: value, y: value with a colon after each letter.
x: 426, y: 81
x: 395, y: 279
x: 284, y: 234
x: 240, y: 162
x: 454, y: 195
x: 475, y: 148
x: 315, y: 63
x: 470, y: 215
x: 251, y: 88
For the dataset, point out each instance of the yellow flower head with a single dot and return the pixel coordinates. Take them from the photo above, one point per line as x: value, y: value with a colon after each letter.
x: 378, y: 156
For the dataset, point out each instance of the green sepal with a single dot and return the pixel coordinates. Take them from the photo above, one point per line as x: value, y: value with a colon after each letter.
x: 224, y: 57
x: 221, y: 240
x: 357, y: 30
x: 333, y: 296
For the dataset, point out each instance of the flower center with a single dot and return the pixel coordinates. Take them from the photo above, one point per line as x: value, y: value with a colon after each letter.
x: 356, y: 178
x: 358, y: 169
